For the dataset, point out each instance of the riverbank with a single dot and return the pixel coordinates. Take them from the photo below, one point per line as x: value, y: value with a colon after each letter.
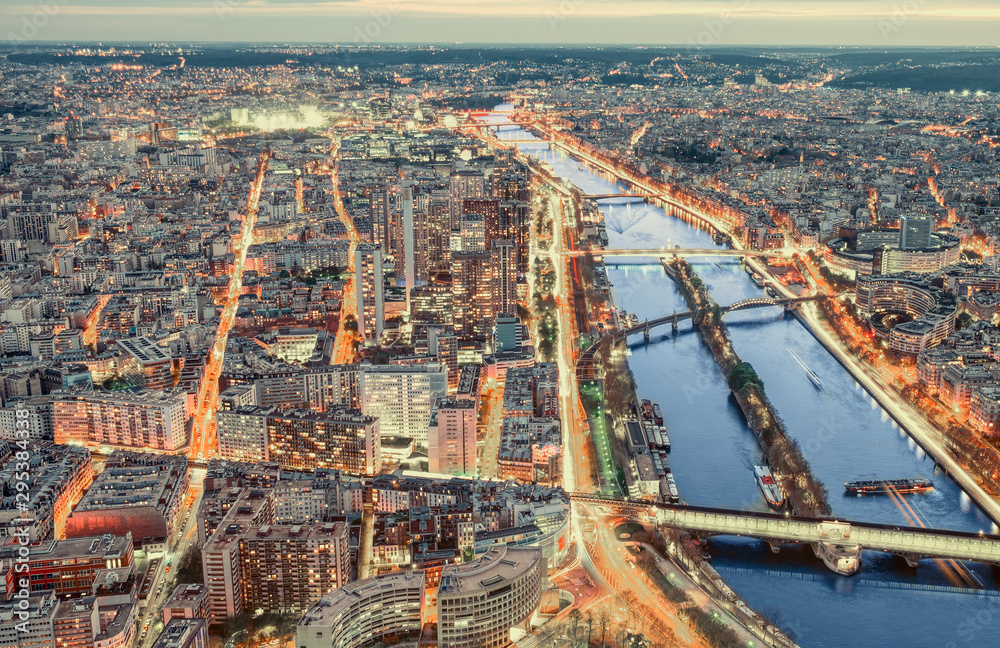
x: 712, y: 453
x: 913, y: 423
x: 806, y: 495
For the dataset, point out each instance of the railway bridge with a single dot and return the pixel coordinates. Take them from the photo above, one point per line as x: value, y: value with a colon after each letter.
x: 912, y: 544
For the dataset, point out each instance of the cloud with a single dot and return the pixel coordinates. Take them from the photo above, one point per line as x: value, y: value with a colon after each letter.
x: 972, y: 9
x: 766, y: 22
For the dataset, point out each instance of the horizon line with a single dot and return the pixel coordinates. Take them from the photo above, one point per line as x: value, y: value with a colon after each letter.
x: 458, y: 44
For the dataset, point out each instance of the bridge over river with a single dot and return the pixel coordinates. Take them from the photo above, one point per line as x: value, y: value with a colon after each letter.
x: 843, y: 537
x: 585, y: 363
x: 670, y: 253
x: 746, y: 304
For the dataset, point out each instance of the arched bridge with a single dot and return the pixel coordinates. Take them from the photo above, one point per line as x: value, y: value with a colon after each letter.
x: 586, y: 366
x: 913, y: 544
x: 746, y: 304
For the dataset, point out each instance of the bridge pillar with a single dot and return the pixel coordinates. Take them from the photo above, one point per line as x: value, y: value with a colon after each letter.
x: 673, y: 323
x: 645, y: 333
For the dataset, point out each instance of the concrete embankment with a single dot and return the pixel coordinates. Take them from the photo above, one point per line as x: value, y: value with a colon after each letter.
x: 915, y: 425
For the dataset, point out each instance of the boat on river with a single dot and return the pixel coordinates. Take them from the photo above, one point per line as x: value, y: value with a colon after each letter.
x: 888, y: 486
x: 810, y: 374
x: 770, y: 489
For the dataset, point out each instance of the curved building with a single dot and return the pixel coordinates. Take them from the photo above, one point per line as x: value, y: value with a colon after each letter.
x: 888, y: 252
x: 364, y: 611
x: 907, y: 296
x: 479, y: 602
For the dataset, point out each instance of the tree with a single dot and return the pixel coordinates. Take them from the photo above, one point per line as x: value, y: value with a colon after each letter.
x: 603, y: 623
x: 574, y: 626
x: 742, y: 375
x: 190, y: 568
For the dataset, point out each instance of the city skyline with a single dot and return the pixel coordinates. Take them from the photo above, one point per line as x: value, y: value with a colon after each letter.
x: 849, y: 23
x: 319, y: 346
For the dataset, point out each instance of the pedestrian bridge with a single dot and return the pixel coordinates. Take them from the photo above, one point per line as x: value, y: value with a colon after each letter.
x: 912, y: 544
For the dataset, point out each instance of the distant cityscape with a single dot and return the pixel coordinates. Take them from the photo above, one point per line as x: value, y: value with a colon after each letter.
x: 354, y: 346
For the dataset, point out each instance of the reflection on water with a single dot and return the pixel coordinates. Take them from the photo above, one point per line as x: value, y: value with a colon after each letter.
x: 842, y: 430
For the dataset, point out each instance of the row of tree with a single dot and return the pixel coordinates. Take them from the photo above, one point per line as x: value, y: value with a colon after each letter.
x: 806, y: 494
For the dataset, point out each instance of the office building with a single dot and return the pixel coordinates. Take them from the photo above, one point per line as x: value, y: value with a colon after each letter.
x: 507, y: 334
x: 451, y: 438
x: 409, y: 275
x: 465, y: 184
x: 362, y: 612
x: 503, y: 264
x: 444, y: 346
x: 368, y: 285
x: 148, y: 419
x: 402, y: 396
x: 70, y: 567
x: 471, y: 234
x: 332, y: 386
x: 136, y: 493
x: 930, y: 318
x: 145, y: 364
x: 489, y: 211
x: 472, y: 293
x: 438, y: 237
x: 915, y: 232
x: 481, y: 601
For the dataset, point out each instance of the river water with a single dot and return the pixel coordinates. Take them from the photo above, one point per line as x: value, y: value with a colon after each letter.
x: 843, y: 432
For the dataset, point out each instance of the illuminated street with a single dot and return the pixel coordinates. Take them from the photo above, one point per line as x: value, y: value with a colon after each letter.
x: 363, y: 326
x: 203, y: 441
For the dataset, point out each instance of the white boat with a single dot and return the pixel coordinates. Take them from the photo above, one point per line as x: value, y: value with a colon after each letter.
x: 810, y: 374
x: 843, y: 559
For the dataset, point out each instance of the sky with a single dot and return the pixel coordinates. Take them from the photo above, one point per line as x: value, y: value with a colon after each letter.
x: 878, y: 23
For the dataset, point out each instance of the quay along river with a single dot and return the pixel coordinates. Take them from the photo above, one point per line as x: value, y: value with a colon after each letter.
x: 844, y: 434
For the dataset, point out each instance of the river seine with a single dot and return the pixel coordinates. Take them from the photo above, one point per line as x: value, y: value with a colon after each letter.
x: 844, y: 434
